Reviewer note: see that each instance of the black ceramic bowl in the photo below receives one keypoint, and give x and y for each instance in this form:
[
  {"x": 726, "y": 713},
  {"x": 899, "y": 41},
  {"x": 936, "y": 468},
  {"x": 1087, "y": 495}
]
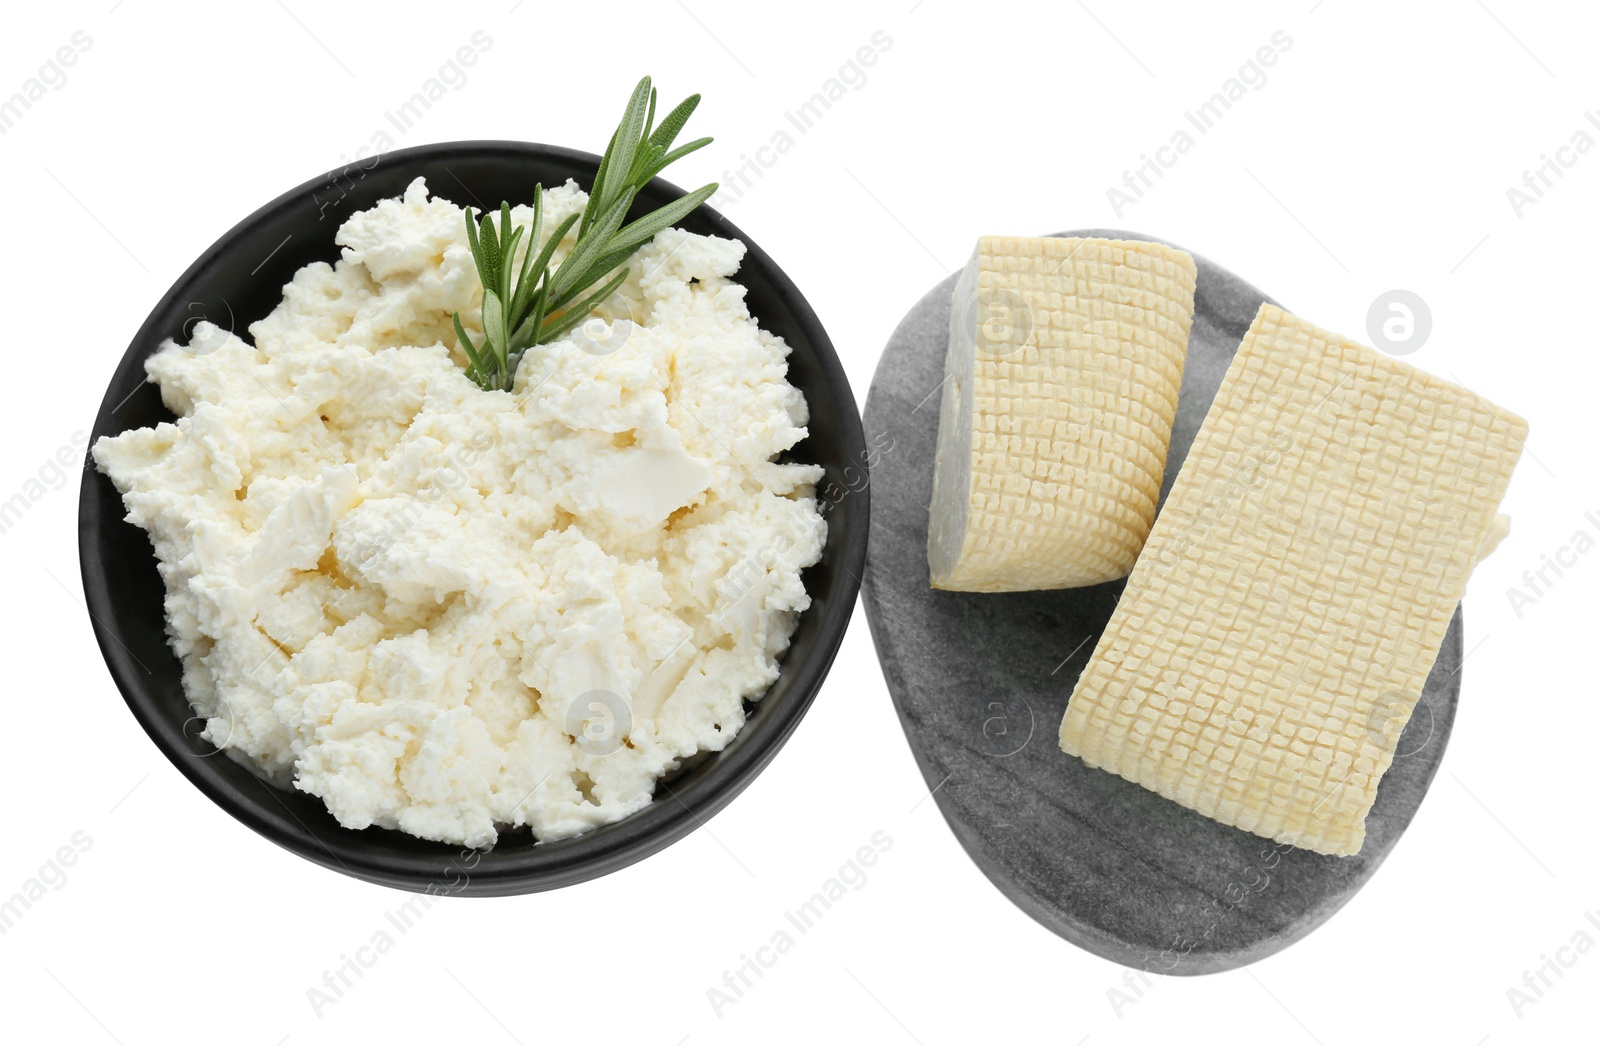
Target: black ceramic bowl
[{"x": 239, "y": 280}]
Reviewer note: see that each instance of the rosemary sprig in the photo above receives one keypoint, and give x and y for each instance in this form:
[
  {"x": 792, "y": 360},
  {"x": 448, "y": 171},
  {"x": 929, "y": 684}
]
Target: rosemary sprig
[{"x": 527, "y": 305}]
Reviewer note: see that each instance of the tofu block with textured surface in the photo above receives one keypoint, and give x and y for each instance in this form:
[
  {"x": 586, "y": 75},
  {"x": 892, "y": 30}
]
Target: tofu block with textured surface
[
  {"x": 1273, "y": 638},
  {"x": 1061, "y": 384}
]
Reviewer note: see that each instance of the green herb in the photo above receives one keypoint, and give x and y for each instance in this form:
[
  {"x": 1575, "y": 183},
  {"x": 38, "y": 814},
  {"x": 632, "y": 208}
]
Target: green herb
[{"x": 529, "y": 305}]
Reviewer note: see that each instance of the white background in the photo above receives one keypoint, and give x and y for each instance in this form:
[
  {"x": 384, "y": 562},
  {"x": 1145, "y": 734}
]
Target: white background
[{"x": 1377, "y": 155}]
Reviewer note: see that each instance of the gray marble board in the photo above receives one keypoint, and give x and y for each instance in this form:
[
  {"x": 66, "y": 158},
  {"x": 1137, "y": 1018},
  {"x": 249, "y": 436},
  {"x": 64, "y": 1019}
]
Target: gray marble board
[{"x": 981, "y": 682}]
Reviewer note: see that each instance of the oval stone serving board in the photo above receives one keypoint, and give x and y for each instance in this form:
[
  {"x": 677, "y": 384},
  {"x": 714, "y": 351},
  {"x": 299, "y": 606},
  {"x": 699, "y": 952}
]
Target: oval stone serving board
[{"x": 981, "y": 682}]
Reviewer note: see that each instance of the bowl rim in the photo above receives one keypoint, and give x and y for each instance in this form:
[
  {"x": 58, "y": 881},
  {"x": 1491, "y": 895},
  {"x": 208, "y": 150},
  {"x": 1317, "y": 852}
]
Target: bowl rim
[{"x": 541, "y": 866}]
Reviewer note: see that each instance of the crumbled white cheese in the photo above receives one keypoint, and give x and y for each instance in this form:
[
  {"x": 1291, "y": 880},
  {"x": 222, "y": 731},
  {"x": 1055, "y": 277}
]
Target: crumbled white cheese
[{"x": 445, "y": 610}]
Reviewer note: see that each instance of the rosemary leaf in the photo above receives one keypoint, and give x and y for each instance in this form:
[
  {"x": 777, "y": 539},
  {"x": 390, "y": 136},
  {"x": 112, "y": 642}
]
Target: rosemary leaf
[
  {"x": 580, "y": 312},
  {"x": 525, "y": 306}
]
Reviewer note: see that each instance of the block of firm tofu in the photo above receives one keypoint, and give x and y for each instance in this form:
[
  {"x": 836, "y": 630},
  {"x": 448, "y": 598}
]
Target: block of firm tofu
[
  {"x": 1061, "y": 384},
  {"x": 1276, "y": 633}
]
